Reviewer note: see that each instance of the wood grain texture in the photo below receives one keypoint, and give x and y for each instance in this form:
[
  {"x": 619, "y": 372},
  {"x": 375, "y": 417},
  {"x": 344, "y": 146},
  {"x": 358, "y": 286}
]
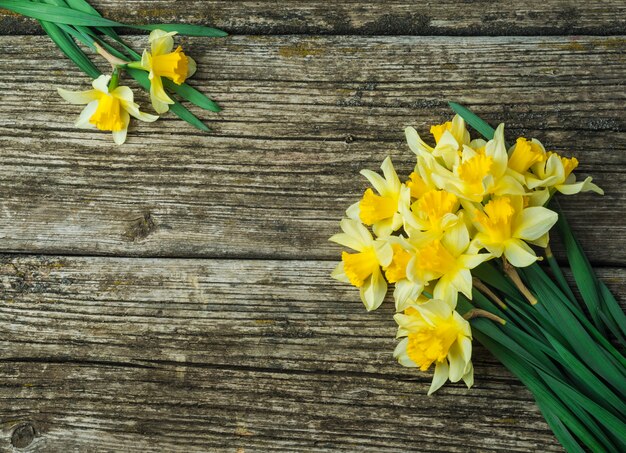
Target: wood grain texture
[
  {"x": 205, "y": 355},
  {"x": 302, "y": 116},
  {"x": 362, "y": 17}
]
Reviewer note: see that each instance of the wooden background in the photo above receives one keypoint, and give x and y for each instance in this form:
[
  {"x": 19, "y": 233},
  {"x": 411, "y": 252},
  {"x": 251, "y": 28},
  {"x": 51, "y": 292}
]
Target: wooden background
[{"x": 173, "y": 294}]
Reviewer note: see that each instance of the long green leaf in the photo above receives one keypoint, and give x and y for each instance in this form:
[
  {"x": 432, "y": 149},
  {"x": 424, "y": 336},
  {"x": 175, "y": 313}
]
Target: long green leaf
[
  {"x": 543, "y": 394},
  {"x": 69, "y": 16},
  {"x": 142, "y": 78},
  {"x": 473, "y": 120},
  {"x": 583, "y": 272},
  {"x": 69, "y": 48},
  {"x": 192, "y": 95},
  {"x": 613, "y": 307}
]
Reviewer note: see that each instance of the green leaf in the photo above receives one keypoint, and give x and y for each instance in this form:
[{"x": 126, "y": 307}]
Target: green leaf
[
  {"x": 613, "y": 307},
  {"x": 473, "y": 120},
  {"x": 183, "y": 29},
  {"x": 584, "y": 275},
  {"x": 192, "y": 95},
  {"x": 544, "y": 395},
  {"x": 69, "y": 16},
  {"x": 142, "y": 78},
  {"x": 559, "y": 429},
  {"x": 78, "y": 35},
  {"x": 608, "y": 420},
  {"x": 69, "y": 48}
]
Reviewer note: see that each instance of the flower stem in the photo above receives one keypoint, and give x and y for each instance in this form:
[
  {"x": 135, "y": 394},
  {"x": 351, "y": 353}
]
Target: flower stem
[
  {"x": 115, "y": 79},
  {"x": 478, "y": 313},
  {"x": 115, "y": 62},
  {"x": 480, "y": 286},
  {"x": 517, "y": 281}
]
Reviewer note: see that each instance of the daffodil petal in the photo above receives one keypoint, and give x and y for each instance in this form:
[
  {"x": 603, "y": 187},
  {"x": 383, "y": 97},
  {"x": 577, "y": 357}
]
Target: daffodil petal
[
  {"x": 160, "y": 99},
  {"x": 102, "y": 83},
  {"x": 582, "y": 186},
  {"x": 78, "y": 97},
  {"x": 518, "y": 253},
  {"x": 191, "y": 66},
  {"x": 119, "y": 137},
  {"x": 83, "y": 119},
  {"x": 347, "y": 241},
  {"x": 161, "y": 42},
  {"x": 457, "y": 363},
  {"x": 339, "y": 273},
  {"x": 440, "y": 377},
  {"x": 534, "y": 222},
  {"x": 374, "y": 290},
  {"x": 468, "y": 377}
]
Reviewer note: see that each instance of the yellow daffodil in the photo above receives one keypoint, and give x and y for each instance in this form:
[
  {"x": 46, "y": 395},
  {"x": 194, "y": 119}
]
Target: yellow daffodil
[
  {"x": 450, "y": 137},
  {"x": 107, "y": 109},
  {"x": 449, "y": 261},
  {"x": 505, "y": 225},
  {"x": 363, "y": 269},
  {"x": 557, "y": 173},
  {"x": 430, "y": 215},
  {"x": 434, "y": 333},
  {"x": 406, "y": 291},
  {"x": 163, "y": 61},
  {"x": 380, "y": 210},
  {"x": 480, "y": 173}
]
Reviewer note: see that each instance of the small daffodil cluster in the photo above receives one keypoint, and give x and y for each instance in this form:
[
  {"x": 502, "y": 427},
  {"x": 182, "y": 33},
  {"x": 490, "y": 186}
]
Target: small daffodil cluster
[
  {"x": 109, "y": 106},
  {"x": 465, "y": 202}
]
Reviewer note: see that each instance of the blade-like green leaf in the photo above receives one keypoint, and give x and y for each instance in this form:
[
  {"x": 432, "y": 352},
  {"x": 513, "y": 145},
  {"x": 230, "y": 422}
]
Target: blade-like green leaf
[
  {"x": 78, "y": 35},
  {"x": 560, "y": 431},
  {"x": 583, "y": 272},
  {"x": 192, "y": 95},
  {"x": 69, "y": 16},
  {"x": 613, "y": 307},
  {"x": 69, "y": 48},
  {"x": 183, "y": 29},
  {"x": 473, "y": 120},
  {"x": 543, "y": 394},
  {"x": 142, "y": 78}
]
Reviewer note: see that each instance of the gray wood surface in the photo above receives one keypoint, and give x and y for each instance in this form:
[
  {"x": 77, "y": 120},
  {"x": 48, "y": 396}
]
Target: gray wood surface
[
  {"x": 173, "y": 294},
  {"x": 191, "y": 355},
  {"x": 301, "y": 117},
  {"x": 363, "y": 17}
]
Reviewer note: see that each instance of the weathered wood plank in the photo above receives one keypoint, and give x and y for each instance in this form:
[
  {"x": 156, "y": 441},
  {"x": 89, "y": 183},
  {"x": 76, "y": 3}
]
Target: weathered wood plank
[
  {"x": 302, "y": 116},
  {"x": 389, "y": 17},
  {"x": 190, "y": 355}
]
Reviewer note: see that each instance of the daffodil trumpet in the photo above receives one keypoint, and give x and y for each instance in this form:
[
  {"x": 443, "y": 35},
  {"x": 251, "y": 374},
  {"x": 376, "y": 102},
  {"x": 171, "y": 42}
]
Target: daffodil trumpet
[{"x": 431, "y": 237}]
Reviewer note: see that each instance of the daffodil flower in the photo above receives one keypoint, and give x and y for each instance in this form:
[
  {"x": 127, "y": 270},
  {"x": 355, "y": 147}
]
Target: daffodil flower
[
  {"x": 380, "y": 210},
  {"x": 163, "y": 61},
  {"x": 430, "y": 215},
  {"x": 505, "y": 225},
  {"x": 480, "y": 173},
  {"x": 108, "y": 107},
  {"x": 449, "y": 261},
  {"x": 434, "y": 333},
  {"x": 450, "y": 137},
  {"x": 363, "y": 269},
  {"x": 557, "y": 173},
  {"x": 405, "y": 291}
]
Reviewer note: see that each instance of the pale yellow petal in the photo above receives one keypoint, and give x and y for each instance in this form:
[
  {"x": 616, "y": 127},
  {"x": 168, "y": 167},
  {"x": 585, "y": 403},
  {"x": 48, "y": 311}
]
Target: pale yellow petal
[
  {"x": 534, "y": 222},
  {"x": 83, "y": 120},
  {"x": 102, "y": 83},
  {"x": 518, "y": 253},
  {"x": 119, "y": 137},
  {"x": 161, "y": 42},
  {"x": 374, "y": 290},
  {"x": 442, "y": 371},
  {"x": 78, "y": 97},
  {"x": 191, "y": 68}
]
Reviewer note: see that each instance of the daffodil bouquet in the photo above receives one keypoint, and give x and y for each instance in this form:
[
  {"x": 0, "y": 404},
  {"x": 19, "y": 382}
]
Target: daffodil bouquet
[
  {"x": 459, "y": 241},
  {"x": 159, "y": 70}
]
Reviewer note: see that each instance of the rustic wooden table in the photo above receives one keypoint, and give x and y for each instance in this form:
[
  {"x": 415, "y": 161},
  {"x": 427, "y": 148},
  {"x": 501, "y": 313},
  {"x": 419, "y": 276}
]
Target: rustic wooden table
[{"x": 173, "y": 294}]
